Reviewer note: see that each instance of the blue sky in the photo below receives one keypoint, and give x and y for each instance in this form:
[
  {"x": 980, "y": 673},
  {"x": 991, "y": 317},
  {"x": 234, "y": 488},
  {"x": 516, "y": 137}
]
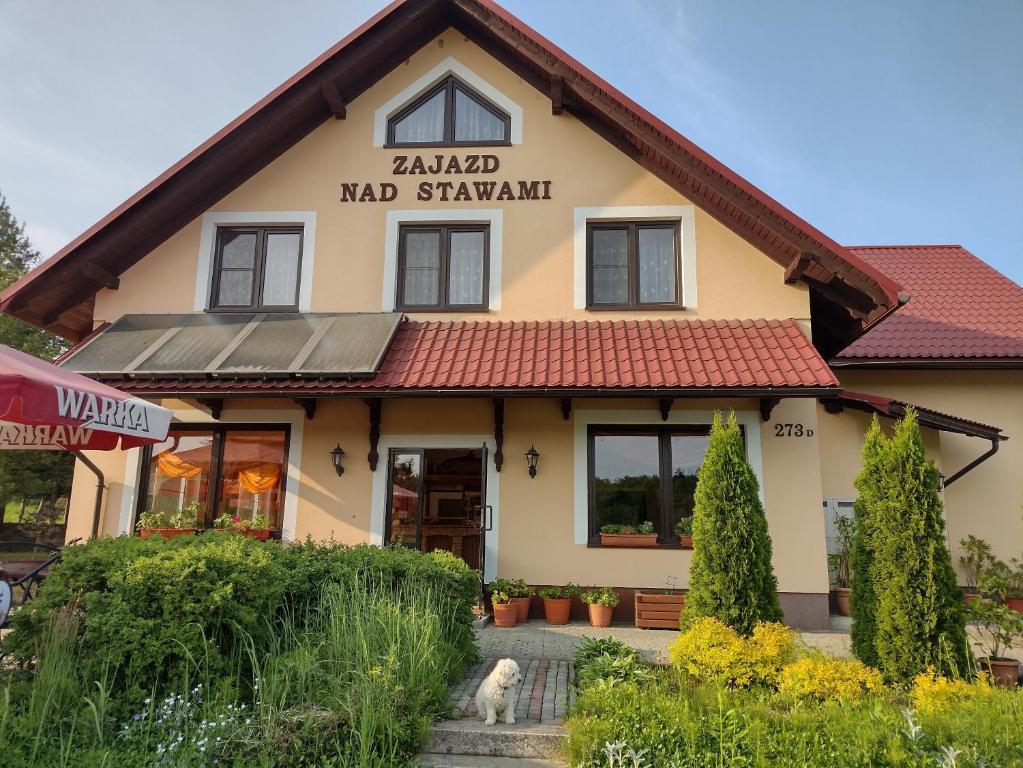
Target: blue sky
[{"x": 877, "y": 121}]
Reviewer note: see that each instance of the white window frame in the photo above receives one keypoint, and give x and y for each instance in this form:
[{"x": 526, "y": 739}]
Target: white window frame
[
  {"x": 194, "y": 418},
  {"x": 450, "y": 66},
  {"x": 378, "y": 511},
  {"x": 584, "y": 419},
  {"x": 494, "y": 217},
  {"x": 208, "y": 244},
  {"x": 684, "y": 214}
]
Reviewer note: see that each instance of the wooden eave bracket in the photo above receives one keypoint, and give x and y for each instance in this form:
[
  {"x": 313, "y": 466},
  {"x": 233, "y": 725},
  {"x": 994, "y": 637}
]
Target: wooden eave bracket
[
  {"x": 664, "y": 406},
  {"x": 375, "y": 407},
  {"x": 333, "y": 99},
  {"x": 566, "y": 408},
  {"x": 215, "y": 405},
  {"x": 307, "y": 404},
  {"x": 557, "y": 93},
  {"x": 767, "y": 406},
  {"x": 797, "y": 267},
  {"x": 100, "y": 276}
]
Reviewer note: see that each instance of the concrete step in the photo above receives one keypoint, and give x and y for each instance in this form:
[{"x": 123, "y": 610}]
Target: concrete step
[
  {"x": 479, "y": 761},
  {"x": 472, "y": 737}
]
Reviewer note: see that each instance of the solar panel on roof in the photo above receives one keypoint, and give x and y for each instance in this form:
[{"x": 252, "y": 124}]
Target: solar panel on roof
[{"x": 207, "y": 344}]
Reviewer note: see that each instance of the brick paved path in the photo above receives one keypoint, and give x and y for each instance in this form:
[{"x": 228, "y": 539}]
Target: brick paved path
[{"x": 544, "y": 698}]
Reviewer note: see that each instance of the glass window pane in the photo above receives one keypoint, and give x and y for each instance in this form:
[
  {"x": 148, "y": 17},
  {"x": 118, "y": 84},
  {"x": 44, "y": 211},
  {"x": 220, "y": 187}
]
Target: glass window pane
[
  {"x": 425, "y": 124},
  {"x": 179, "y": 474},
  {"x": 235, "y": 288},
  {"x": 656, "y": 264},
  {"x": 406, "y": 481},
  {"x": 626, "y": 482},
  {"x": 280, "y": 272},
  {"x": 237, "y": 249},
  {"x": 610, "y": 264},
  {"x": 465, "y": 270},
  {"x": 250, "y": 477},
  {"x": 474, "y": 122},
  {"x": 687, "y": 453},
  {"x": 422, "y": 269}
]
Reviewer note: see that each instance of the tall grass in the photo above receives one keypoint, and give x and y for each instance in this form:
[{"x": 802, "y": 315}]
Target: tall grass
[{"x": 353, "y": 681}]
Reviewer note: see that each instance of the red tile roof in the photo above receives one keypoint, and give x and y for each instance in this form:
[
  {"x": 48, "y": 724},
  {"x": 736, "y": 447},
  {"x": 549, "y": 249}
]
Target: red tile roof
[
  {"x": 961, "y": 308},
  {"x": 563, "y": 357}
]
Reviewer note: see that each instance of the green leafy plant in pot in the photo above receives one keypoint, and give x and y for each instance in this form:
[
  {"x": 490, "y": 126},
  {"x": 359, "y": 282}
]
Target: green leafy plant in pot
[
  {"x": 684, "y": 531},
  {"x": 601, "y": 602},
  {"x": 557, "y": 603},
  {"x": 839, "y": 567},
  {"x": 181, "y": 522},
  {"x": 505, "y": 612},
  {"x": 639, "y": 535},
  {"x": 995, "y": 626}
]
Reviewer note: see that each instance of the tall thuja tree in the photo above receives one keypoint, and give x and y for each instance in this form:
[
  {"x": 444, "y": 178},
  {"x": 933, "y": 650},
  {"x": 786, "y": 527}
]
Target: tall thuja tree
[
  {"x": 861, "y": 556},
  {"x": 919, "y": 619},
  {"x": 731, "y": 577}
]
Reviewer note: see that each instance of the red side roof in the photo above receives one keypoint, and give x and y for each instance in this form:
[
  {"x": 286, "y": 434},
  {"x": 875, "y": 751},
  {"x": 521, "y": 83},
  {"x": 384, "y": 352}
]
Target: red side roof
[
  {"x": 563, "y": 357},
  {"x": 961, "y": 309},
  {"x": 928, "y": 417}
]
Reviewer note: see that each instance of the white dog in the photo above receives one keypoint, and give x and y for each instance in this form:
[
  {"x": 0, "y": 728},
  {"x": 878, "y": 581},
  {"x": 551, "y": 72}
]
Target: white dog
[{"x": 499, "y": 693}]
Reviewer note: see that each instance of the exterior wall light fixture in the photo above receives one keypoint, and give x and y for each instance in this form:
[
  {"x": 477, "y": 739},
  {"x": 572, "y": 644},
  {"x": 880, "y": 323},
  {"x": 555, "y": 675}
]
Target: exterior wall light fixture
[
  {"x": 532, "y": 456},
  {"x": 336, "y": 455}
]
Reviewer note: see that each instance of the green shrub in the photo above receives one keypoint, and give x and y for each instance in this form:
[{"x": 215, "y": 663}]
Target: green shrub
[
  {"x": 711, "y": 651},
  {"x": 592, "y": 647},
  {"x": 601, "y": 596},
  {"x": 818, "y": 677},
  {"x": 731, "y": 576},
  {"x": 919, "y": 615},
  {"x": 863, "y": 601}
]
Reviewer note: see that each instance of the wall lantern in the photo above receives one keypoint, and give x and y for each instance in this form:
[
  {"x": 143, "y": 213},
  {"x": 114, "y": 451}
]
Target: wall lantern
[
  {"x": 532, "y": 456},
  {"x": 336, "y": 455}
]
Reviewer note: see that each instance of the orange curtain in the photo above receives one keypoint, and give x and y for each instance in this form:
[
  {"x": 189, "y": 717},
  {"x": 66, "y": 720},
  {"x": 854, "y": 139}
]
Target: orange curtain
[
  {"x": 260, "y": 479},
  {"x": 172, "y": 466}
]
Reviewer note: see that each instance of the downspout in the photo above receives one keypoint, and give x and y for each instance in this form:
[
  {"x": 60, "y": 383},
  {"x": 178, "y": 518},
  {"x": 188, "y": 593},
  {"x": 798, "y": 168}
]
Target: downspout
[
  {"x": 100, "y": 487},
  {"x": 975, "y": 463}
]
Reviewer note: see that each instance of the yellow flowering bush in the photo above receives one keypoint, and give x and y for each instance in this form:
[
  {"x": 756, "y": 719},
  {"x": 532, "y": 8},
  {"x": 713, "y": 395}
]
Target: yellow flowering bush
[
  {"x": 934, "y": 693},
  {"x": 823, "y": 678},
  {"x": 712, "y": 651}
]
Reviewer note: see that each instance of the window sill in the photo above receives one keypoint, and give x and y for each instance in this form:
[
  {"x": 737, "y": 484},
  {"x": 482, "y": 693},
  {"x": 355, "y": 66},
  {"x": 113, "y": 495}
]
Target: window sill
[
  {"x": 463, "y": 310},
  {"x": 634, "y": 307},
  {"x": 595, "y": 544}
]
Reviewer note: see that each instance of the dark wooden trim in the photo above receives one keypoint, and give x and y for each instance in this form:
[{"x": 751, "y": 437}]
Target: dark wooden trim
[
  {"x": 375, "y": 408},
  {"x": 767, "y": 406},
  {"x": 557, "y": 87},
  {"x": 101, "y": 276},
  {"x": 307, "y": 404},
  {"x": 498, "y": 433},
  {"x": 444, "y": 231},
  {"x": 664, "y": 406},
  {"x": 794, "y": 271},
  {"x": 334, "y": 100},
  {"x": 930, "y": 363},
  {"x": 566, "y": 408},
  {"x": 215, "y": 405},
  {"x": 632, "y": 228},
  {"x": 449, "y": 85}
]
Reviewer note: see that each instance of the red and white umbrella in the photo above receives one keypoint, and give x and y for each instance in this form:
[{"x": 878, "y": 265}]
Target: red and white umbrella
[{"x": 43, "y": 407}]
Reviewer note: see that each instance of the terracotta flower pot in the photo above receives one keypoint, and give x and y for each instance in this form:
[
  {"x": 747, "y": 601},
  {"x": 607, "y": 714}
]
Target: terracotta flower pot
[
  {"x": 686, "y": 542},
  {"x": 600, "y": 615},
  {"x": 557, "y": 610},
  {"x": 505, "y": 615},
  {"x": 166, "y": 533},
  {"x": 522, "y": 605},
  {"x": 1003, "y": 672},
  {"x": 969, "y": 597},
  {"x": 630, "y": 540},
  {"x": 1015, "y": 603},
  {"x": 843, "y": 596},
  {"x": 252, "y": 533}
]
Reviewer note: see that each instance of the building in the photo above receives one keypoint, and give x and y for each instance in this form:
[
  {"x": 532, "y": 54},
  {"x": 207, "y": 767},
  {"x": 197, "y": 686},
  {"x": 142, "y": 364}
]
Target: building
[{"x": 446, "y": 243}]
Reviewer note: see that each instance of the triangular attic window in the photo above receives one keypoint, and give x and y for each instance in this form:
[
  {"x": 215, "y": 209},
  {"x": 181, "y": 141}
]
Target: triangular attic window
[{"x": 449, "y": 114}]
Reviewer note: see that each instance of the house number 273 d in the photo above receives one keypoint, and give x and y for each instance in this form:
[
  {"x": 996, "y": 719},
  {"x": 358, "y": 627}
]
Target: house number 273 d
[{"x": 792, "y": 430}]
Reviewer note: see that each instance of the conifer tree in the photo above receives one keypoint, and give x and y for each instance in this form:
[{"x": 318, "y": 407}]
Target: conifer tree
[
  {"x": 919, "y": 619},
  {"x": 731, "y": 577},
  {"x": 864, "y": 600}
]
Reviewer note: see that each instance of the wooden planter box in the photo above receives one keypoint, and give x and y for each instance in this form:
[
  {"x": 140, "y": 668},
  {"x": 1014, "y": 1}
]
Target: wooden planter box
[
  {"x": 631, "y": 540},
  {"x": 655, "y": 610}
]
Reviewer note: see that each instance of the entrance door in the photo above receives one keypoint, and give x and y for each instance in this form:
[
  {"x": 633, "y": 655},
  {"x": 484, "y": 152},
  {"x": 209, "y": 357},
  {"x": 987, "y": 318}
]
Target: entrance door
[{"x": 436, "y": 501}]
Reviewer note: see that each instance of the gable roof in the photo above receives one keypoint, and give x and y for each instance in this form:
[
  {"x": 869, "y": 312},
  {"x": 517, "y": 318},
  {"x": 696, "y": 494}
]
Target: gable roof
[
  {"x": 553, "y": 358},
  {"x": 962, "y": 310},
  {"x": 58, "y": 294}
]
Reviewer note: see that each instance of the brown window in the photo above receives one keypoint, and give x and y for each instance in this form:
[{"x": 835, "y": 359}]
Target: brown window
[
  {"x": 449, "y": 114},
  {"x": 201, "y": 473},
  {"x": 257, "y": 268},
  {"x": 633, "y": 264},
  {"x": 443, "y": 267},
  {"x": 644, "y": 474}
]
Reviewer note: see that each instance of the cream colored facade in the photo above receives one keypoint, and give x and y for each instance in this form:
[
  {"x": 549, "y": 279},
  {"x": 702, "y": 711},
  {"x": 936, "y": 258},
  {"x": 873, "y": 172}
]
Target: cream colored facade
[{"x": 535, "y": 275}]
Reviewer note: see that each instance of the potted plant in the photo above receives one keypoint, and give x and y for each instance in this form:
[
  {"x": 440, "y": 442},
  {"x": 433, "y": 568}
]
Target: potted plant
[
  {"x": 505, "y": 612},
  {"x": 838, "y": 565},
  {"x": 660, "y": 610},
  {"x": 994, "y": 627},
  {"x": 684, "y": 531},
  {"x": 601, "y": 602},
  {"x": 1014, "y": 594},
  {"x": 181, "y": 523},
  {"x": 614, "y": 535},
  {"x": 976, "y": 556},
  {"x": 557, "y": 603},
  {"x": 522, "y": 597},
  {"x": 256, "y": 528}
]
